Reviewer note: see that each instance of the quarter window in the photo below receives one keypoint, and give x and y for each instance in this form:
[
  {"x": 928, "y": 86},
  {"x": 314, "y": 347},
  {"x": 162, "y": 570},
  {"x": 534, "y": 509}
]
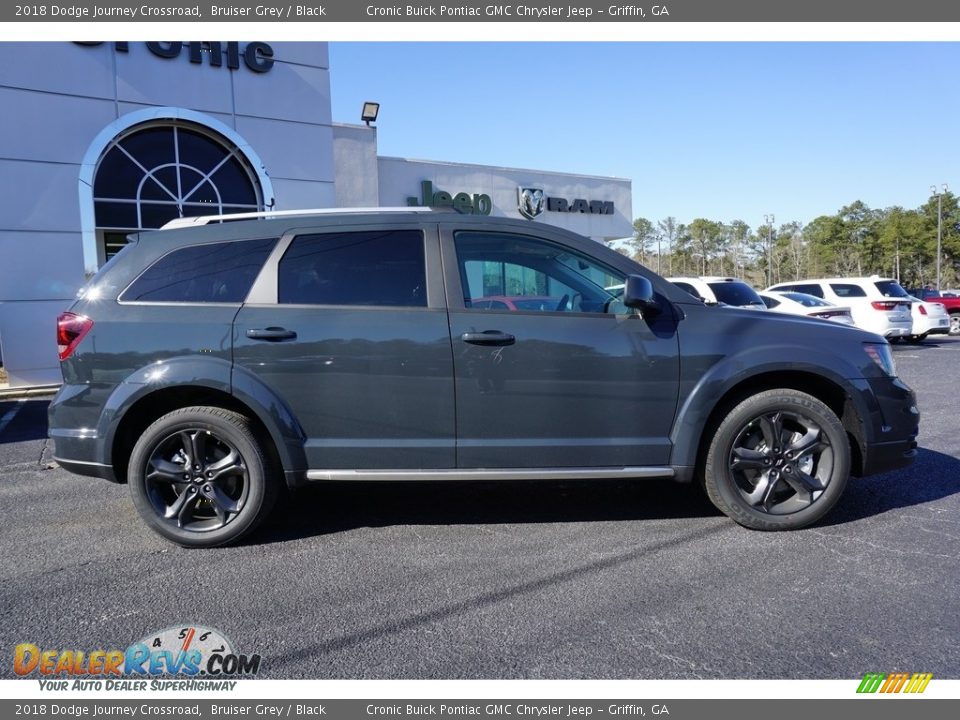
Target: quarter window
[
  {"x": 523, "y": 274},
  {"x": 216, "y": 272},
  {"x": 384, "y": 267}
]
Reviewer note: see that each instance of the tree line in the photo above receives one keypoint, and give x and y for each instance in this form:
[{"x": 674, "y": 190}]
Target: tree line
[{"x": 856, "y": 241}]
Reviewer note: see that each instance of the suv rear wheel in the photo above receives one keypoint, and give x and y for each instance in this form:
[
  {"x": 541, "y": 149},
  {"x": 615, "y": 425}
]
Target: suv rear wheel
[
  {"x": 779, "y": 461},
  {"x": 200, "y": 477}
]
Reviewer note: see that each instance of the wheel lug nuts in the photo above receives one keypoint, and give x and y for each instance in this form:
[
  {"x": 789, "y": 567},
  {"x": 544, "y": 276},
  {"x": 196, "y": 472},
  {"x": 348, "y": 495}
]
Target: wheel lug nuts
[
  {"x": 206, "y": 488},
  {"x": 210, "y": 474}
]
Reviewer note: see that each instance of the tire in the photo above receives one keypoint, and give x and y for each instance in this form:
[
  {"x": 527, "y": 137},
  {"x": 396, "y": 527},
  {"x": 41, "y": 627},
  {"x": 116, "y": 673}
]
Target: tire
[
  {"x": 226, "y": 494},
  {"x": 954, "y": 324},
  {"x": 786, "y": 487},
  {"x": 916, "y": 339}
]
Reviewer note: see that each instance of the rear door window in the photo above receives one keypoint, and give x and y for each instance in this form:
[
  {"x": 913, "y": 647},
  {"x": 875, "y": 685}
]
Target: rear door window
[
  {"x": 846, "y": 290},
  {"x": 211, "y": 273},
  {"x": 808, "y": 288},
  {"x": 379, "y": 268}
]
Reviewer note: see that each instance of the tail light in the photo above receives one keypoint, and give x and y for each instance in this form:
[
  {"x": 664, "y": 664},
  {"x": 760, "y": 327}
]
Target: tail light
[
  {"x": 831, "y": 314},
  {"x": 923, "y": 310},
  {"x": 71, "y": 329},
  {"x": 884, "y": 305}
]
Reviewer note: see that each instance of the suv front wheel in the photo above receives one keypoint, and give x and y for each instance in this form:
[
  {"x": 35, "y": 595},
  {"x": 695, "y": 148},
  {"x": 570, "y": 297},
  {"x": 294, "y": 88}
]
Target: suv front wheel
[
  {"x": 200, "y": 477},
  {"x": 778, "y": 461}
]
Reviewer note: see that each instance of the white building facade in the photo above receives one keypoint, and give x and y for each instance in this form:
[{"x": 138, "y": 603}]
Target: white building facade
[{"x": 103, "y": 139}]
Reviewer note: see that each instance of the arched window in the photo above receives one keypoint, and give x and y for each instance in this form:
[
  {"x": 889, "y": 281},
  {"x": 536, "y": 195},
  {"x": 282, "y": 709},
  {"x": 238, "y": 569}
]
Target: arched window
[{"x": 155, "y": 172}]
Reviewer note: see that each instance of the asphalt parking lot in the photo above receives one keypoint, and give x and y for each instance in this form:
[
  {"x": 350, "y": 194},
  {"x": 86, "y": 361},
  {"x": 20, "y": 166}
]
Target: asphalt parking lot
[{"x": 518, "y": 580}]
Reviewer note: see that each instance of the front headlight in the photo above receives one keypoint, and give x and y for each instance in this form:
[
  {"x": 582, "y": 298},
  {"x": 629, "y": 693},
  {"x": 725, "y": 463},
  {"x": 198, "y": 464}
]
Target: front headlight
[{"x": 882, "y": 355}]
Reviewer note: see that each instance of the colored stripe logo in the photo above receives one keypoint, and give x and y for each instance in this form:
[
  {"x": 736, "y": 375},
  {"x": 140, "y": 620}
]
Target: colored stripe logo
[{"x": 894, "y": 682}]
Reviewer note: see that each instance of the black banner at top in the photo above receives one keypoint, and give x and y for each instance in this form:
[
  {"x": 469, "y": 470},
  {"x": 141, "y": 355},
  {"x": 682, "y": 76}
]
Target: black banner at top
[{"x": 485, "y": 11}]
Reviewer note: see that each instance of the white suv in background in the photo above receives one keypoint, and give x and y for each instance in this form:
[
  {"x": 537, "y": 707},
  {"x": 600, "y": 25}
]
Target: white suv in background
[
  {"x": 726, "y": 290},
  {"x": 877, "y": 304}
]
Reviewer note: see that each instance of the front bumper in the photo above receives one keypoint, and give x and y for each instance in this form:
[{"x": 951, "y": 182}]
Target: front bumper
[{"x": 891, "y": 442}]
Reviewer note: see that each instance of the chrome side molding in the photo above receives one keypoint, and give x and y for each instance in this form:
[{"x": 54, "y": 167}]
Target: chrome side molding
[{"x": 486, "y": 474}]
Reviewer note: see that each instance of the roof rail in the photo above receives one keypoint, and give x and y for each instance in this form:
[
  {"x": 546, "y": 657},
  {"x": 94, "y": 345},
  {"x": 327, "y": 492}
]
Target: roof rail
[{"x": 207, "y": 219}]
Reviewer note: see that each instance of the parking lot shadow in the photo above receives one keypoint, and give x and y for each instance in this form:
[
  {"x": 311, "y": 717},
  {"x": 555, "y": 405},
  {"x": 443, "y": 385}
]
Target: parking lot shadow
[
  {"x": 25, "y": 420},
  {"x": 932, "y": 476},
  {"x": 341, "y": 506}
]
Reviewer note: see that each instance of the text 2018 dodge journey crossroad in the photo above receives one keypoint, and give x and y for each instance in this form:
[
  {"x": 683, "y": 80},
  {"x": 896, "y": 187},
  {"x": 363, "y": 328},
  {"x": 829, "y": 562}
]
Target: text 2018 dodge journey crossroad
[{"x": 210, "y": 363}]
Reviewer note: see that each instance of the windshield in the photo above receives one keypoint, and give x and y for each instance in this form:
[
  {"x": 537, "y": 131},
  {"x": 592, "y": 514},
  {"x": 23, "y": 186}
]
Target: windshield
[{"x": 735, "y": 293}]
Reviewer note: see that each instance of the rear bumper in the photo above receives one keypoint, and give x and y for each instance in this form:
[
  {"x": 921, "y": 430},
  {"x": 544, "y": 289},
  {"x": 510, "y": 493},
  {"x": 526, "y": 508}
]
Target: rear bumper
[
  {"x": 901, "y": 331},
  {"x": 88, "y": 469},
  {"x": 77, "y": 443}
]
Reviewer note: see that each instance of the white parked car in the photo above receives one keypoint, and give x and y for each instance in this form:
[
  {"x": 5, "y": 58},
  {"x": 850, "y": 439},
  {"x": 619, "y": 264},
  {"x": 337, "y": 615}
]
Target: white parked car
[
  {"x": 796, "y": 303},
  {"x": 877, "y": 304},
  {"x": 929, "y": 318},
  {"x": 716, "y": 290}
]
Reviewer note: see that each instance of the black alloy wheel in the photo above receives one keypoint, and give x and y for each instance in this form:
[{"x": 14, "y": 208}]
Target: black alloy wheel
[
  {"x": 199, "y": 477},
  {"x": 780, "y": 460}
]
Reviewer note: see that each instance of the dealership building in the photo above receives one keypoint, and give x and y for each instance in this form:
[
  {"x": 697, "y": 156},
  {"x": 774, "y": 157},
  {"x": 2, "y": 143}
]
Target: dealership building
[{"x": 103, "y": 139}]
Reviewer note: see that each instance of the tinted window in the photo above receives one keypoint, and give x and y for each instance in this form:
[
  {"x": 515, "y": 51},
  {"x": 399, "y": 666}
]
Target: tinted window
[
  {"x": 218, "y": 272},
  {"x": 687, "y": 287},
  {"x": 769, "y": 301},
  {"x": 532, "y": 275},
  {"x": 844, "y": 290},
  {"x": 383, "y": 267},
  {"x": 808, "y": 288},
  {"x": 735, "y": 293},
  {"x": 806, "y": 300},
  {"x": 891, "y": 288}
]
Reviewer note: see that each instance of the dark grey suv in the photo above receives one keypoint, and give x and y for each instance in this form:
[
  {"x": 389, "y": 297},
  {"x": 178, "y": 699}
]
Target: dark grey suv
[{"x": 210, "y": 365}]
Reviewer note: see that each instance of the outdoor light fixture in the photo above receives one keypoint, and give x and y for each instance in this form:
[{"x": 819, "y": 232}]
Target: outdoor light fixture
[{"x": 370, "y": 111}]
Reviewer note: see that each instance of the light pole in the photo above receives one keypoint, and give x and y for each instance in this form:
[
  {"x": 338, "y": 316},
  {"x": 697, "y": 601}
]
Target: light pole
[
  {"x": 769, "y": 219},
  {"x": 939, "y": 195}
]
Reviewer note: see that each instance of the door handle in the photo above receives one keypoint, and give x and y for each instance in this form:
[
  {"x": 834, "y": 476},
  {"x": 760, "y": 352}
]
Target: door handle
[
  {"x": 271, "y": 333},
  {"x": 488, "y": 337}
]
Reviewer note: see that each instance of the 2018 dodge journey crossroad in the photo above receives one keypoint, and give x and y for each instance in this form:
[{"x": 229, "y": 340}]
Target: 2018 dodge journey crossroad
[{"x": 213, "y": 362}]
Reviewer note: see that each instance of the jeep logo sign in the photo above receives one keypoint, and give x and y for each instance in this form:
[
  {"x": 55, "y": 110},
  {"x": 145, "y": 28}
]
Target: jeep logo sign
[{"x": 478, "y": 204}]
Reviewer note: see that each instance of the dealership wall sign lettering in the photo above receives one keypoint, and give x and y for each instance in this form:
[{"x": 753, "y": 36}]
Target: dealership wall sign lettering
[
  {"x": 531, "y": 202},
  {"x": 257, "y": 56},
  {"x": 478, "y": 204}
]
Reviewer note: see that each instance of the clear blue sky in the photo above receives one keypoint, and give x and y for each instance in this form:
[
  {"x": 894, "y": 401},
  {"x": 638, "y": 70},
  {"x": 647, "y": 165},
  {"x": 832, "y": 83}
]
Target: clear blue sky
[{"x": 718, "y": 130}]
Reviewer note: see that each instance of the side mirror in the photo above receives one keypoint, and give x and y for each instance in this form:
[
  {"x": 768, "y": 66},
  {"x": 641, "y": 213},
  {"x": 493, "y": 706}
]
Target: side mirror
[{"x": 638, "y": 294}]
